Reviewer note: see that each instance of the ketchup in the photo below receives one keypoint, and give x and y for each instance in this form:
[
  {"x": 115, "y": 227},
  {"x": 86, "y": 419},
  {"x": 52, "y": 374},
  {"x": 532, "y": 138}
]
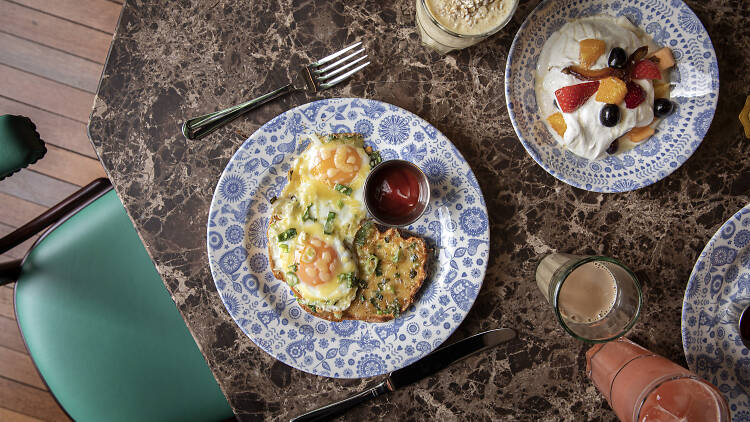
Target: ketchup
[{"x": 396, "y": 191}]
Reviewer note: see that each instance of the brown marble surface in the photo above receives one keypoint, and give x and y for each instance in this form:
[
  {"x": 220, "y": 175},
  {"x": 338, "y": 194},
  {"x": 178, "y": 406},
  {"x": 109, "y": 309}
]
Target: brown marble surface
[{"x": 171, "y": 60}]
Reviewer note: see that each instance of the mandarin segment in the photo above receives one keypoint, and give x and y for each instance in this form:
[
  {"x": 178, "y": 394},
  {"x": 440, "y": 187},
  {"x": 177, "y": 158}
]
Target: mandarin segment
[
  {"x": 611, "y": 91},
  {"x": 558, "y": 123},
  {"x": 590, "y": 51}
]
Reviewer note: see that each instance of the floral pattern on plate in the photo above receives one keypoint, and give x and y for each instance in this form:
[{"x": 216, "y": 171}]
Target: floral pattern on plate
[
  {"x": 695, "y": 90},
  {"x": 716, "y": 294},
  {"x": 454, "y": 224}
]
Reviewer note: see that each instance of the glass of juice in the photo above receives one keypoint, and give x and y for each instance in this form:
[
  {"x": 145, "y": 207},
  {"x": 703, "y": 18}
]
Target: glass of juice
[
  {"x": 644, "y": 387},
  {"x": 447, "y": 25},
  {"x": 595, "y": 298}
]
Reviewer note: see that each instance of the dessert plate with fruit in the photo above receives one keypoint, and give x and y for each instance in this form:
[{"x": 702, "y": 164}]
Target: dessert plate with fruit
[{"x": 611, "y": 96}]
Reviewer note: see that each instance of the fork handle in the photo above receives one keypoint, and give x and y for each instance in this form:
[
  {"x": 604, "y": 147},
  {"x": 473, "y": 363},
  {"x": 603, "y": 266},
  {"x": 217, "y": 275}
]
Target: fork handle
[
  {"x": 335, "y": 409},
  {"x": 201, "y": 126}
]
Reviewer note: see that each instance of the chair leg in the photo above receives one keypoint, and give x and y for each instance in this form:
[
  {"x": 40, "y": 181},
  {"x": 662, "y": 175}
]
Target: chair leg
[{"x": 9, "y": 271}]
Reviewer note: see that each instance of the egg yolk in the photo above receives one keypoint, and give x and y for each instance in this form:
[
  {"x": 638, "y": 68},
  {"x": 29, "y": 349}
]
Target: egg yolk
[
  {"x": 318, "y": 262},
  {"x": 337, "y": 165}
]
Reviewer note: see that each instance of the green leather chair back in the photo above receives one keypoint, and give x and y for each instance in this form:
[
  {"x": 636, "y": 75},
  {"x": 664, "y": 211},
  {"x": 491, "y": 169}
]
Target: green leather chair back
[
  {"x": 20, "y": 144},
  {"x": 103, "y": 330}
]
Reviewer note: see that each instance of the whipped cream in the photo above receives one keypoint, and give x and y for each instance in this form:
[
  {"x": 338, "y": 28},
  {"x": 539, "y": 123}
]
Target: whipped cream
[{"x": 585, "y": 135}]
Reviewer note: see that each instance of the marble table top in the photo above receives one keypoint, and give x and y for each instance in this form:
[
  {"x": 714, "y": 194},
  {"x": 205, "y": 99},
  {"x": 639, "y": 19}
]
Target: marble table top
[{"x": 171, "y": 60}]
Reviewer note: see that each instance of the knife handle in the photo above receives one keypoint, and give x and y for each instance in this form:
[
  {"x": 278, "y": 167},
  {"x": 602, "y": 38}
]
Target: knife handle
[{"x": 335, "y": 409}]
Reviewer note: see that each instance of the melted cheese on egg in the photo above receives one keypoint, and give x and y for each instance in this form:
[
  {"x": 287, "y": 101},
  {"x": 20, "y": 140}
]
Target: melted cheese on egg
[{"x": 326, "y": 178}]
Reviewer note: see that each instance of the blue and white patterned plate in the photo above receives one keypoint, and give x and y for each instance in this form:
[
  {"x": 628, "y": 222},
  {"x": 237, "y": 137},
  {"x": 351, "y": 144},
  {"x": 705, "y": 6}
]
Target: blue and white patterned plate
[
  {"x": 454, "y": 223},
  {"x": 716, "y": 294},
  {"x": 696, "y": 90}
]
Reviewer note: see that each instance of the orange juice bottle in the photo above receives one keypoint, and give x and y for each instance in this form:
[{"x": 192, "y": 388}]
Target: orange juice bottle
[{"x": 641, "y": 386}]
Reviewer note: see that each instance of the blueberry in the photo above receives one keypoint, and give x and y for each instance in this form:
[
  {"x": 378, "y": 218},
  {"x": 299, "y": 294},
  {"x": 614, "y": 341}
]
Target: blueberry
[
  {"x": 617, "y": 58},
  {"x": 613, "y": 147},
  {"x": 610, "y": 115},
  {"x": 663, "y": 107}
]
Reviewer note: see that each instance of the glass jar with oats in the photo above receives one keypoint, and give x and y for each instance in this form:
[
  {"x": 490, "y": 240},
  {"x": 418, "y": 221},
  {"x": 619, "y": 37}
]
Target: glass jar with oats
[{"x": 447, "y": 25}]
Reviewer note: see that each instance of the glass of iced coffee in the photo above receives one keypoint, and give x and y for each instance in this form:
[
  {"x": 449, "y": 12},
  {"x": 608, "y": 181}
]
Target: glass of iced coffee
[
  {"x": 447, "y": 25},
  {"x": 595, "y": 298}
]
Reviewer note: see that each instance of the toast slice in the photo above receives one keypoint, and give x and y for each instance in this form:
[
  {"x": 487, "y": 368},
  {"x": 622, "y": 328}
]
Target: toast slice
[{"x": 392, "y": 268}]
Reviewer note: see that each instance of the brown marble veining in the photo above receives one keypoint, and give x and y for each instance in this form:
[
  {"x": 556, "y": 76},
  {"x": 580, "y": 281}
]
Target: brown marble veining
[{"x": 172, "y": 60}]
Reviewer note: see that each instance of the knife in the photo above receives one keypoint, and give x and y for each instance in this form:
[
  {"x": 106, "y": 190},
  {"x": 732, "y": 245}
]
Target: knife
[{"x": 429, "y": 365}]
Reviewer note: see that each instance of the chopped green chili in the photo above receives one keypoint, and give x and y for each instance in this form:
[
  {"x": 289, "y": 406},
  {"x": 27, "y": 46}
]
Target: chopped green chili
[
  {"x": 287, "y": 234},
  {"x": 348, "y": 278},
  {"x": 362, "y": 233},
  {"x": 375, "y": 158},
  {"x": 307, "y": 216},
  {"x": 346, "y": 190},
  {"x": 397, "y": 256},
  {"x": 373, "y": 262},
  {"x": 292, "y": 279},
  {"x": 328, "y": 227}
]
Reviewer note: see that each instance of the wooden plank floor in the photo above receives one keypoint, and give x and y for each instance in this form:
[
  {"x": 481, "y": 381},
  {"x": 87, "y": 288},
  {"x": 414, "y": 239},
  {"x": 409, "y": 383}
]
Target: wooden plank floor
[{"x": 51, "y": 55}]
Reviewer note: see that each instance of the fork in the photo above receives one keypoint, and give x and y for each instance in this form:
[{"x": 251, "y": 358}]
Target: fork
[{"x": 312, "y": 78}]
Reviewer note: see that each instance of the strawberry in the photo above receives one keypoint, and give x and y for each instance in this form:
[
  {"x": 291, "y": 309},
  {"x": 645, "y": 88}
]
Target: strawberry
[
  {"x": 646, "y": 69},
  {"x": 569, "y": 98},
  {"x": 635, "y": 95}
]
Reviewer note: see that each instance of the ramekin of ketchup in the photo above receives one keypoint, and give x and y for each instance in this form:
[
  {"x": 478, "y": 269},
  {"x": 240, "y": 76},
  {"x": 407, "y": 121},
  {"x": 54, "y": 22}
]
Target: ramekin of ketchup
[{"x": 396, "y": 193}]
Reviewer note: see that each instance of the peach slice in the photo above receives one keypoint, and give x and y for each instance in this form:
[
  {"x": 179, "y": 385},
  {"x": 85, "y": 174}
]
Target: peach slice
[
  {"x": 665, "y": 58},
  {"x": 590, "y": 51}
]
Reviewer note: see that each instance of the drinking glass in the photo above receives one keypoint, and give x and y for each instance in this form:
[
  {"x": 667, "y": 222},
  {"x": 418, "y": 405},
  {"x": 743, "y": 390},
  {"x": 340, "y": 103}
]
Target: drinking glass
[
  {"x": 642, "y": 386},
  {"x": 595, "y": 298},
  {"x": 441, "y": 39}
]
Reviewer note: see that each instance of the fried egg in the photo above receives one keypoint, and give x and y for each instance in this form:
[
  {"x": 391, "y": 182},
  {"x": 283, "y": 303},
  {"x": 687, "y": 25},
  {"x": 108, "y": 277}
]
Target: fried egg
[{"x": 314, "y": 221}]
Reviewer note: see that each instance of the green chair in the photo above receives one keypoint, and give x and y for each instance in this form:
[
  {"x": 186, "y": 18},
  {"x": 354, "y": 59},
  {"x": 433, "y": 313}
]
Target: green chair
[
  {"x": 20, "y": 144},
  {"x": 98, "y": 322}
]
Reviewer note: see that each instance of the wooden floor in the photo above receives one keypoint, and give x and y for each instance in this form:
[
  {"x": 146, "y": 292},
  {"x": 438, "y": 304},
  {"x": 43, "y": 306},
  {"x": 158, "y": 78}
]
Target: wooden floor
[{"x": 51, "y": 56}]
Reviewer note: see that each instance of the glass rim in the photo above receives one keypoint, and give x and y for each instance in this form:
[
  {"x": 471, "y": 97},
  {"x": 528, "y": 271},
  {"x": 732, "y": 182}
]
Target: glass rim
[
  {"x": 640, "y": 401},
  {"x": 568, "y": 271},
  {"x": 481, "y": 36}
]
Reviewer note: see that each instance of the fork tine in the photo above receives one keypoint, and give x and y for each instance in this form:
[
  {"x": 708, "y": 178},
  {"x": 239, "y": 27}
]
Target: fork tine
[
  {"x": 341, "y": 69},
  {"x": 342, "y": 77},
  {"x": 338, "y": 62},
  {"x": 330, "y": 57}
]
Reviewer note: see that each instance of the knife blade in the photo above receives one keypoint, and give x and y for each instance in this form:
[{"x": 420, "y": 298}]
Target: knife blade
[
  {"x": 425, "y": 367},
  {"x": 448, "y": 355}
]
